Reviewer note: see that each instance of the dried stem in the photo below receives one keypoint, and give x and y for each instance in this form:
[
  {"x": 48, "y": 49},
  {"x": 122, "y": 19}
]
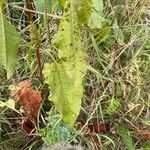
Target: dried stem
[
  {"x": 37, "y": 51},
  {"x": 34, "y": 41},
  {"x": 36, "y": 12}
]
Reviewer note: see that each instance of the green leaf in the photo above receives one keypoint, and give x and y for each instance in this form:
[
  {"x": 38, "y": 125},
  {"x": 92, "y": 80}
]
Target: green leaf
[
  {"x": 40, "y": 5},
  {"x": 126, "y": 136},
  {"x": 84, "y": 11},
  {"x": 1, "y": 2},
  {"x": 62, "y": 2},
  {"x": 56, "y": 130},
  {"x": 146, "y": 145},
  {"x": 9, "y": 103},
  {"x": 65, "y": 81},
  {"x": 118, "y": 33},
  {"x": 96, "y": 18},
  {"x": 65, "y": 76},
  {"x": 9, "y": 42},
  {"x": 112, "y": 106}
]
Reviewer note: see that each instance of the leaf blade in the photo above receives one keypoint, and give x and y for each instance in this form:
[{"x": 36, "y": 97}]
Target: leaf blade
[
  {"x": 69, "y": 70},
  {"x": 96, "y": 18},
  {"x": 126, "y": 136},
  {"x": 8, "y": 45}
]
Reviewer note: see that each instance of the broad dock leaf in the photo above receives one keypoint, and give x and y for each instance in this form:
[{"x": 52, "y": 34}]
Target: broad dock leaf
[{"x": 65, "y": 76}]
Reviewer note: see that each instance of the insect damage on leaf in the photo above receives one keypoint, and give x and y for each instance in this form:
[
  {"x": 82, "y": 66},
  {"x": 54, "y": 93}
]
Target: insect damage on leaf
[
  {"x": 65, "y": 75},
  {"x": 29, "y": 100}
]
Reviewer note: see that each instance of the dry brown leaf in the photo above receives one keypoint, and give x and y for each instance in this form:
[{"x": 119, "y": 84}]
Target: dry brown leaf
[{"x": 28, "y": 98}]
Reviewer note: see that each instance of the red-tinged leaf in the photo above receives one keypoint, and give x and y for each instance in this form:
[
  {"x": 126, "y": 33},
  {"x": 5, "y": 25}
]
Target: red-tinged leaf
[
  {"x": 28, "y": 98},
  {"x": 91, "y": 129},
  {"x": 28, "y": 126},
  {"x": 144, "y": 134},
  {"x": 96, "y": 126}
]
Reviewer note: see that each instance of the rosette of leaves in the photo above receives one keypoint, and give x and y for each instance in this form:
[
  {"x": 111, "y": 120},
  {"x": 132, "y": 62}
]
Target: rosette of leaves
[{"x": 56, "y": 130}]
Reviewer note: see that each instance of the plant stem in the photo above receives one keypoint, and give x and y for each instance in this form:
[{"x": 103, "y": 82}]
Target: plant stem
[
  {"x": 34, "y": 40},
  {"x": 37, "y": 51},
  {"x": 47, "y": 21}
]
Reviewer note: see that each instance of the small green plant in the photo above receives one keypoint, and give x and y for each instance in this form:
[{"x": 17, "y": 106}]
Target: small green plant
[
  {"x": 126, "y": 136},
  {"x": 56, "y": 130},
  {"x": 113, "y": 105}
]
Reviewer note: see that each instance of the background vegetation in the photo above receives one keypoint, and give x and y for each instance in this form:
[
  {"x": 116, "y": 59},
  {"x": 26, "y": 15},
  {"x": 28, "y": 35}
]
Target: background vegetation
[{"x": 89, "y": 53}]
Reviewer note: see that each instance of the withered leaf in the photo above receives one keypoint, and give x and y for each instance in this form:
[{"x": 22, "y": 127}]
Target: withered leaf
[
  {"x": 28, "y": 126},
  {"x": 28, "y": 98}
]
